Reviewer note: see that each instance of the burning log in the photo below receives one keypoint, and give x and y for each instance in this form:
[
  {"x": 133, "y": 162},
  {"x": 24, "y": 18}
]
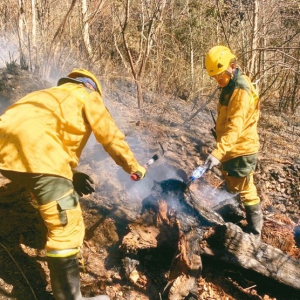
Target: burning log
[
  {"x": 163, "y": 229},
  {"x": 171, "y": 215}
]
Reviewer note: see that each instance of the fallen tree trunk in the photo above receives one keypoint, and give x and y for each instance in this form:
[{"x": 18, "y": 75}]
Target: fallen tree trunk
[
  {"x": 225, "y": 241},
  {"x": 230, "y": 244},
  {"x": 152, "y": 225}
]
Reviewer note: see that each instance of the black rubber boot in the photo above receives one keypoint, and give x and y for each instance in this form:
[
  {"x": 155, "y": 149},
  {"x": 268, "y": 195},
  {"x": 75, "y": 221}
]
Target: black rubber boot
[
  {"x": 254, "y": 217},
  {"x": 65, "y": 279}
]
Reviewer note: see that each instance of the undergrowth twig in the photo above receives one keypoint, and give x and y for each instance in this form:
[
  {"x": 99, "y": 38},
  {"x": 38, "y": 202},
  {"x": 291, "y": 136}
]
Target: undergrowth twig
[{"x": 19, "y": 270}]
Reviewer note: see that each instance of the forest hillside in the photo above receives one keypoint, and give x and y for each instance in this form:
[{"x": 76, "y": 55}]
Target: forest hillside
[
  {"x": 149, "y": 57},
  {"x": 113, "y": 210}
]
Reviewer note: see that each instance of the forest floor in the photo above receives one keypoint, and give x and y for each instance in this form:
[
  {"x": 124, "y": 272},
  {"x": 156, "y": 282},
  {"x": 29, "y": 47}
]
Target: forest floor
[{"x": 24, "y": 274}]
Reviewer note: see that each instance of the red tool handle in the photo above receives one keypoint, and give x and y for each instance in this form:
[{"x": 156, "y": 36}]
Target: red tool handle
[{"x": 136, "y": 176}]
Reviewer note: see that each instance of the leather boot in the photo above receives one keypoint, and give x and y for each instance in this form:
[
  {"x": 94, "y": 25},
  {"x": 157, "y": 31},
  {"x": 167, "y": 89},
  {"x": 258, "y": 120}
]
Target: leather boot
[
  {"x": 254, "y": 217},
  {"x": 65, "y": 279}
]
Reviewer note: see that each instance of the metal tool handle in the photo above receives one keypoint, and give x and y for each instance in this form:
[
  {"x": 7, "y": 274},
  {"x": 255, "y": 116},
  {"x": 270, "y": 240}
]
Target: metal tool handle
[{"x": 138, "y": 175}]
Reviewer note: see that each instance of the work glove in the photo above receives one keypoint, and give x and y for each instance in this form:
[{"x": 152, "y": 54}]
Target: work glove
[
  {"x": 83, "y": 183},
  {"x": 139, "y": 174},
  {"x": 211, "y": 161}
]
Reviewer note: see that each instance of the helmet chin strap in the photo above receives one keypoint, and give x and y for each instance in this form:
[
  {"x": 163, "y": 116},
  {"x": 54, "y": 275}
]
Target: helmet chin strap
[
  {"x": 233, "y": 69},
  {"x": 230, "y": 74}
]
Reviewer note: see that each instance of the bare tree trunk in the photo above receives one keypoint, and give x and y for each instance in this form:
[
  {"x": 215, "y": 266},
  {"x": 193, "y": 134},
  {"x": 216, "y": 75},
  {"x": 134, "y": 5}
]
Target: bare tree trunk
[
  {"x": 86, "y": 35},
  {"x": 254, "y": 38},
  {"x": 55, "y": 43},
  {"x": 139, "y": 94},
  {"x": 191, "y": 54},
  {"x": 147, "y": 34},
  {"x": 32, "y": 43},
  {"x": 21, "y": 23}
]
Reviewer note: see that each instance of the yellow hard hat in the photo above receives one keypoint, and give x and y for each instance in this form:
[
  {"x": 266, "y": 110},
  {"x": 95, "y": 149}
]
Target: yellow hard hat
[
  {"x": 80, "y": 73},
  {"x": 218, "y": 59}
]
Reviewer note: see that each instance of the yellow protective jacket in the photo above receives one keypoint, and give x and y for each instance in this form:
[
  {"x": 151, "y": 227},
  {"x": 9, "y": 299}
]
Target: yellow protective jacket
[
  {"x": 46, "y": 131},
  {"x": 238, "y": 114}
]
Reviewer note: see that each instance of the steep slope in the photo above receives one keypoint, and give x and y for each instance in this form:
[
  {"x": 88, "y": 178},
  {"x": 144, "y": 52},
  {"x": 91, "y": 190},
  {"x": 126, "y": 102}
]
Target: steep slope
[{"x": 24, "y": 272}]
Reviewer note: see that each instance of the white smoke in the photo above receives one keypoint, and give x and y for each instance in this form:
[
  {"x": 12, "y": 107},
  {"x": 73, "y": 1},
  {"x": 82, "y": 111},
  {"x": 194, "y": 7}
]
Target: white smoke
[{"x": 9, "y": 51}]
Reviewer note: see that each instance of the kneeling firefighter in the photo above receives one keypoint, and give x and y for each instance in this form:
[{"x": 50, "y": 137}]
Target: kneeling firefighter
[
  {"x": 41, "y": 139},
  {"x": 237, "y": 141}
]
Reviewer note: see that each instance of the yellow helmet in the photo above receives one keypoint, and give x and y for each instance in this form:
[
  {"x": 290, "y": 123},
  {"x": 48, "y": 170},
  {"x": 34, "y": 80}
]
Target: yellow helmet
[
  {"x": 218, "y": 59},
  {"x": 80, "y": 73}
]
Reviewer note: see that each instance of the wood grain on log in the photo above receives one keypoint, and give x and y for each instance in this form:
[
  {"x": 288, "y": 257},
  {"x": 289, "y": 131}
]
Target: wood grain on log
[{"x": 230, "y": 244}]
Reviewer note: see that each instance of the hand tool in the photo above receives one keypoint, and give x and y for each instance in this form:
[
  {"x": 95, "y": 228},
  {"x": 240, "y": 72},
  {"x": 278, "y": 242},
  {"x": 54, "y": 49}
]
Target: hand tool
[{"x": 137, "y": 175}]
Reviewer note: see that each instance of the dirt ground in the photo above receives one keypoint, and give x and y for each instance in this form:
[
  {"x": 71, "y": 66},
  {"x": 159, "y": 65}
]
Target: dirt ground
[{"x": 24, "y": 274}]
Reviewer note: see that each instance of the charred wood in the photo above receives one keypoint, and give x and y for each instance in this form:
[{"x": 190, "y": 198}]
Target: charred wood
[
  {"x": 172, "y": 215},
  {"x": 159, "y": 226}
]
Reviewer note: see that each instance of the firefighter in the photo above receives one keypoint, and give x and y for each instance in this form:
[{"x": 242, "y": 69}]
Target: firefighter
[
  {"x": 41, "y": 139},
  {"x": 237, "y": 141}
]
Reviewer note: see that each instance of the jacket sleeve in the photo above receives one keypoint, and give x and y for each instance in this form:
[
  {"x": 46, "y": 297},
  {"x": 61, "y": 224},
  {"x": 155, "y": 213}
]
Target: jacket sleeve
[
  {"x": 237, "y": 111},
  {"x": 107, "y": 133}
]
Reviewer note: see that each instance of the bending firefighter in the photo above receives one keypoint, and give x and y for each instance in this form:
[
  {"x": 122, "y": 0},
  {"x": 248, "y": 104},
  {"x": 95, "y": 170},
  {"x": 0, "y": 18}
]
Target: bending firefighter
[
  {"x": 236, "y": 132},
  {"x": 41, "y": 139}
]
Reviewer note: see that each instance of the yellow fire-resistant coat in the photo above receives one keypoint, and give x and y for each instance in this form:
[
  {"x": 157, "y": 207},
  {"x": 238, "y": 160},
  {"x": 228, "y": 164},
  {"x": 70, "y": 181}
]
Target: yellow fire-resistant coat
[
  {"x": 238, "y": 115},
  {"x": 46, "y": 131}
]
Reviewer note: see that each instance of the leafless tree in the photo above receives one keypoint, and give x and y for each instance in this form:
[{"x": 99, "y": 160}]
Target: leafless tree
[
  {"x": 160, "y": 44},
  {"x": 138, "y": 43},
  {"x": 54, "y": 46},
  {"x": 21, "y": 33}
]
